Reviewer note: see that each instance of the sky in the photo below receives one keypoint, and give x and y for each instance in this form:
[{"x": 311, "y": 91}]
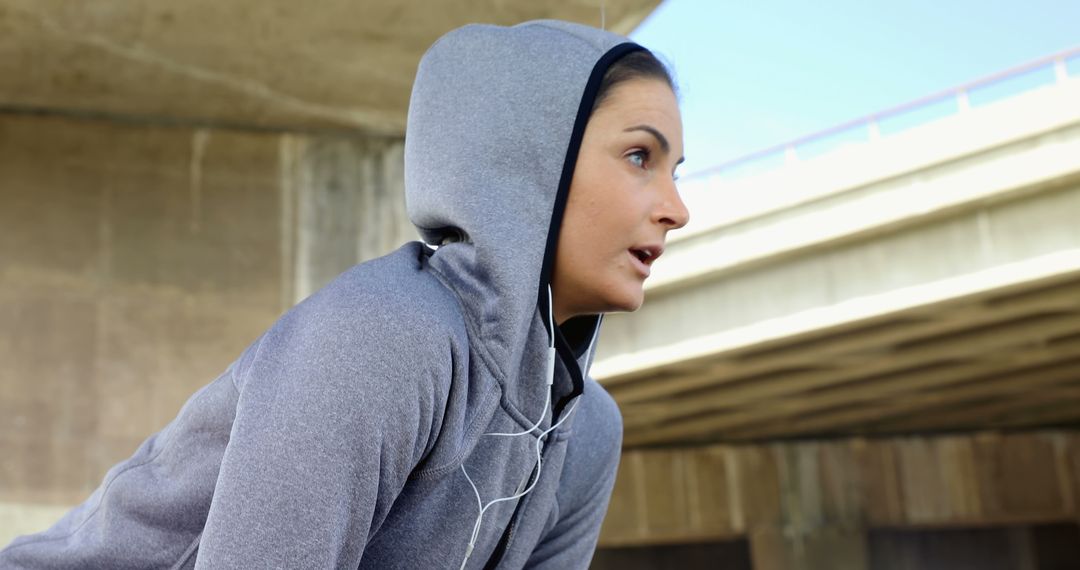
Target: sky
[{"x": 755, "y": 74}]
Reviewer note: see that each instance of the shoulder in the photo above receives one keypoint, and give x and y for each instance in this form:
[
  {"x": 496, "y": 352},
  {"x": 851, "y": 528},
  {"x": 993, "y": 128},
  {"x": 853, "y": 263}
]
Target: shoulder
[
  {"x": 390, "y": 301},
  {"x": 388, "y": 317},
  {"x": 394, "y": 294},
  {"x": 373, "y": 352},
  {"x": 592, "y": 454},
  {"x": 596, "y": 437},
  {"x": 600, "y": 418}
]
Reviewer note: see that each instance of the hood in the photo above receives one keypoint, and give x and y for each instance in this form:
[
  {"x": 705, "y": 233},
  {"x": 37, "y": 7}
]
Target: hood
[{"x": 495, "y": 122}]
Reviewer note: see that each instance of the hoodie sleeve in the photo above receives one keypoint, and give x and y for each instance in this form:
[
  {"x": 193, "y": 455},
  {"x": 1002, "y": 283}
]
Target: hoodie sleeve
[
  {"x": 330, "y": 421},
  {"x": 592, "y": 460}
]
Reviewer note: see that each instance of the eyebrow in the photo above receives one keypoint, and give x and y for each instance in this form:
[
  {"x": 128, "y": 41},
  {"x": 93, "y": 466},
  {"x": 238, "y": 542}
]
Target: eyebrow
[{"x": 664, "y": 145}]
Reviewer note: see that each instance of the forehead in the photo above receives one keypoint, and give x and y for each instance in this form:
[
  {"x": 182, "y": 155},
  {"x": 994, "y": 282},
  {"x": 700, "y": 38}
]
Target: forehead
[{"x": 642, "y": 100}]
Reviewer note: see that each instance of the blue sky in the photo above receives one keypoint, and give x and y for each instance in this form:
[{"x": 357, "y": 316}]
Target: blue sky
[{"x": 756, "y": 74}]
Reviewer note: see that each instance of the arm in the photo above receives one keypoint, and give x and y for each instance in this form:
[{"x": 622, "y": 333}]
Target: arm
[
  {"x": 150, "y": 507},
  {"x": 328, "y": 427},
  {"x": 589, "y": 476}
]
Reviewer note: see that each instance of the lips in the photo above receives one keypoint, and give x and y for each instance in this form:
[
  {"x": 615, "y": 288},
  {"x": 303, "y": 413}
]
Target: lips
[
  {"x": 644, "y": 256},
  {"x": 648, "y": 253}
]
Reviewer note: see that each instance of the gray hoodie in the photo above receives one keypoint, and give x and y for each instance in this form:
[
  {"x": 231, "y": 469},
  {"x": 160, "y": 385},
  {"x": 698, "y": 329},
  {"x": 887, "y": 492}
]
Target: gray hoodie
[{"x": 352, "y": 433}]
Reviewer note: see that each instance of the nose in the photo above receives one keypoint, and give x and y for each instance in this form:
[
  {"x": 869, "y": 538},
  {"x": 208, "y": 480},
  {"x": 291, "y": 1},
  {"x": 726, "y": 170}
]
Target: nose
[{"x": 670, "y": 210}]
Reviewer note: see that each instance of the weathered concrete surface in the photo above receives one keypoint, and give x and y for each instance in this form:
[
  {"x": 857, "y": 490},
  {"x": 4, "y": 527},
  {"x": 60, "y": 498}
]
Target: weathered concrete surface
[
  {"x": 333, "y": 222},
  {"x": 137, "y": 262},
  {"x": 816, "y": 504},
  {"x": 117, "y": 297},
  {"x": 337, "y": 64}
]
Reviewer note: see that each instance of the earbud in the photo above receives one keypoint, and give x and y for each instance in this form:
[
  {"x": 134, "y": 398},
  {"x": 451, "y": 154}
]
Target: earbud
[{"x": 539, "y": 439}]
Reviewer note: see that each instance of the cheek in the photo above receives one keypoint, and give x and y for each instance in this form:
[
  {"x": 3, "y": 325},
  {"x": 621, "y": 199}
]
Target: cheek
[
  {"x": 600, "y": 216},
  {"x": 594, "y": 232}
]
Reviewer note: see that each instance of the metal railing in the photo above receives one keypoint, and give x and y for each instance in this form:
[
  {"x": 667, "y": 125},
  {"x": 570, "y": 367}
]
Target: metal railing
[{"x": 870, "y": 127}]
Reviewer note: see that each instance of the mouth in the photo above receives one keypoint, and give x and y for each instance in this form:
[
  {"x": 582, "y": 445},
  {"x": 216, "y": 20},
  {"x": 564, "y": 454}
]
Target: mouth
[{"x": 644, "y": 257}]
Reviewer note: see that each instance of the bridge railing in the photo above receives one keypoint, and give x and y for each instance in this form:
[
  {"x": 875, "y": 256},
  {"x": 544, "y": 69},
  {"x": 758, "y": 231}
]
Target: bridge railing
[{"x": 1049, "y": 70}]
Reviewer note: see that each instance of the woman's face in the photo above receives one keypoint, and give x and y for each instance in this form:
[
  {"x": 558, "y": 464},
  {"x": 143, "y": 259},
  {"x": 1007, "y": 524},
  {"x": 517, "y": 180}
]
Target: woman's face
[{"x": 622, "y": 201}]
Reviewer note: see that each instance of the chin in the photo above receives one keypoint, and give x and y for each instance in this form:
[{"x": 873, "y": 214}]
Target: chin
[{"x": 627, "y": 302}]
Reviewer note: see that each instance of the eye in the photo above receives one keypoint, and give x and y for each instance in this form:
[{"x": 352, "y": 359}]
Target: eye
[{"x": 639, "y": 158}]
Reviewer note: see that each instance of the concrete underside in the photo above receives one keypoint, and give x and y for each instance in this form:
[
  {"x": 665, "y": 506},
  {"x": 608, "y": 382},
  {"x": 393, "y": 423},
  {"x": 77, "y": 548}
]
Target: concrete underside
[{"x": 278, "y": 64}]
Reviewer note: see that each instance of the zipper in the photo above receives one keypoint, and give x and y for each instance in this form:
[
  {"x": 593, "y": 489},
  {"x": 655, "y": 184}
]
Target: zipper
[
  {"x": 508, "y": 534},
  {"x": 566, "y": 354},
  {"x": 578, "y": 386}
]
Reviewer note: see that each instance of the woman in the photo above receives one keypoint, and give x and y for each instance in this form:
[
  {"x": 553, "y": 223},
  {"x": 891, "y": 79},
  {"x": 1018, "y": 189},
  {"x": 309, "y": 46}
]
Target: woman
[{"x": 429, "y": 409}]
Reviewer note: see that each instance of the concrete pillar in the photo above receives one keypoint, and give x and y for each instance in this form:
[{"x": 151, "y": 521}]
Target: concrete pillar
[
  {"x": 344, "y": 202},
  {"x": 139, "y": 260}
]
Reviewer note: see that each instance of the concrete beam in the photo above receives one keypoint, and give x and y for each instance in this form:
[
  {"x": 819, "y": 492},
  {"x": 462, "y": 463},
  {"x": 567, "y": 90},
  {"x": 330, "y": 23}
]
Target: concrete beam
[{"x": 270, "y": 64}]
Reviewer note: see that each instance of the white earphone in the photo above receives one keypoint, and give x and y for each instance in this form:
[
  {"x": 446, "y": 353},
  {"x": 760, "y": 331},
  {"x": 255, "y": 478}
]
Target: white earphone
[{"x": 539, "y": 440}]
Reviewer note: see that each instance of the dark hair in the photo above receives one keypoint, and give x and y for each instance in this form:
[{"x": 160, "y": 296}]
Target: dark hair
[{"x": 640, "y": 64}]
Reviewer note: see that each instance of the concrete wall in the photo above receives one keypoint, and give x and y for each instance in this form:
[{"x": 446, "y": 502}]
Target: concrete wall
[
  {"x": 1039, "y": 547},
  {"x": 853, "y": 503},
  {"x": 137, "y": 261}
]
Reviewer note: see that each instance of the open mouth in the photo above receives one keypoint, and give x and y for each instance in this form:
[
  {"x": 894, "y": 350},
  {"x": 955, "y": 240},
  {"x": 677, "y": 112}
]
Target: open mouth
[{"x": 646, "y": 255}]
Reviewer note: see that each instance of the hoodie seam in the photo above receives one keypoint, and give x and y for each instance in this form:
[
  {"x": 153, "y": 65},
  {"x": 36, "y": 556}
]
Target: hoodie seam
[
  {"x": 548, "y": 26},
  {"x": 458, "y": 457},
  {"x": 472, "y": 431},
  {"x": 472, "y": 328},
  {"x": 188, "y": 553},
  {"x": 246, "y": 373},
  {"x": 101, "y": 499}
]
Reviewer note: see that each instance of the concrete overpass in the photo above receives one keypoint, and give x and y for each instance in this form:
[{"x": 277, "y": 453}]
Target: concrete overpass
[
  {"x": 843, "y": 351},
  {"x": 920, "y": 282}
]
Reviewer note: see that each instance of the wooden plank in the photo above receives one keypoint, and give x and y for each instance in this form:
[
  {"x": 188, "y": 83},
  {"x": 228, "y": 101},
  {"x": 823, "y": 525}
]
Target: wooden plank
[
  {"x": 673, "y": 496},
  {"x": 882, "y": 493},
  {"x": 921, "y": 478},
  {"x": 624, "y": 522},
  {"x": 1022, "y": 469},
  {"x": 785, "y": 353},
  {"x": 871, "y": 390},
  {"x": 757, "y": 468},
  {"x": 796, "y": 497},
  {"x": 842, "y": 484},
  {"x": 1064, "y": 408},
  {"x": 666, "y": 502},
  {"x": 819, "y": 521},
  {"x": 1057, "y": 389},
  {"x": 714, "y": 500}
]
